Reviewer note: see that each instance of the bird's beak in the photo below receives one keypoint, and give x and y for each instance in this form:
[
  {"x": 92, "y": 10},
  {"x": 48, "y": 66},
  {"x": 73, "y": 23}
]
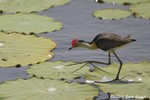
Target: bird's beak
[{"x": 70, "y": 48}]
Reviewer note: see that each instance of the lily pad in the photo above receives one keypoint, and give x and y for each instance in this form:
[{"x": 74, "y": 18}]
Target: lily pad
[
  {"x": 136, "y": 76},
  {"x": 28, "y": 23},
  {"x": 112, "y": 13},
  {"x": 141, "y": 10},
  {"x": 24, "y": 49},
  {"x": 27, "y": 6},
  {"x": 57, "y": 70},
  {"x": 125, "y": 1},
  {"x": 45, "y": 89}
]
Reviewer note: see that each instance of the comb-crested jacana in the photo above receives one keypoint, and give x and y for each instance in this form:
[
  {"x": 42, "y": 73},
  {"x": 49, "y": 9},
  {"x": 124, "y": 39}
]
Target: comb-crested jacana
[{"x": 108, "y": 42}]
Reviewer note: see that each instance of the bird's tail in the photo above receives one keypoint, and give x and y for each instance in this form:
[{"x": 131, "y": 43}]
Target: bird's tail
[
  {"x": 128, "y": 38},
  {"x": 133, "y": 39}
]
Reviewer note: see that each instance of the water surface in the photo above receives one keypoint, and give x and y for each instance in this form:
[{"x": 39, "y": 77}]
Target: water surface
[{"x": 79, "y": 23}]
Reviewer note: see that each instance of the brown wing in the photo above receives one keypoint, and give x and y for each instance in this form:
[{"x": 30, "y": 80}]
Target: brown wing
[{"x": 107, "y": 41}]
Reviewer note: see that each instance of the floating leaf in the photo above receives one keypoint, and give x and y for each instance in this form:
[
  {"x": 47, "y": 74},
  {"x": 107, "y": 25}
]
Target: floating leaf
[
  {"x": 45, "y": 89},
  {"x": 125, "y": 1},
  {"x": 57, "y": 70},
  {"x": 24, "y": 49},
  {"x": 141, "y": 10},
  {"x": 28, "y": 23},
  {"x": 111, "y": 13},
  {"x": 137, "y": 76},
  {"x": 27, "y": 6}
]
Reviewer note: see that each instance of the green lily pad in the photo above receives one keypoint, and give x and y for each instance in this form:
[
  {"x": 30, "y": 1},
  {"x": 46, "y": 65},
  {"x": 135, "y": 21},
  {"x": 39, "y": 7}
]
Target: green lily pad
[
  {"x": 58, "y": 70},
  {"x": 27, "y": 6},
  {"x": 28, "y": 23},
  {"x": 125, "y": 1},
  {"x": 111, "y": 14},
  {"x": 136, "y": 76},
  {"x": 45, "y": 89},
  {"x": 24, "y": 49},
  {"x": 141, "y": 10}
]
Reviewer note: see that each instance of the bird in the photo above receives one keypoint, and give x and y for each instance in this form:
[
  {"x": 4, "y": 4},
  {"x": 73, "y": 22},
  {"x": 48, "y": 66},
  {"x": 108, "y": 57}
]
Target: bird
[{"x": 108, "y": 42}]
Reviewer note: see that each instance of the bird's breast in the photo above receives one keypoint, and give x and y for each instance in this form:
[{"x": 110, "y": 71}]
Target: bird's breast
[{"x": 93, "y": 45}]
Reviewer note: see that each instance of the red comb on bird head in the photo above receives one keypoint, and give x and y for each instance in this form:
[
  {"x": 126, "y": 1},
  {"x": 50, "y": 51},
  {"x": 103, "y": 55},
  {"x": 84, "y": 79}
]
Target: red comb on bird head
[{"x": 74, "y": 42}]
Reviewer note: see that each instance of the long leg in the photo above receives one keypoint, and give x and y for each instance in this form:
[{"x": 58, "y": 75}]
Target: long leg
[
  {"x": 108, "y": 63},
  {"x": 117, "y": 76},
  {"x": 109, "y": 58},
  {"x": 90, "y": 62},
  {"x": 118, "y": 73}
]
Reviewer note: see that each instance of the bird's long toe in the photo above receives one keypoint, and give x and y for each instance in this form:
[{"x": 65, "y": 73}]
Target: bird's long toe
[{"x": 117, "y": 81}]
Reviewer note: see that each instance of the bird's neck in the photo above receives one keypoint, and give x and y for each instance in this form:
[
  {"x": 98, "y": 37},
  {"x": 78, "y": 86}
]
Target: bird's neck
[{"x": 87, "y": 45}]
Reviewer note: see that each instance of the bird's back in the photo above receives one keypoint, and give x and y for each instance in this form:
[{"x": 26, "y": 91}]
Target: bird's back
[{"x": 109, "y": 41}]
